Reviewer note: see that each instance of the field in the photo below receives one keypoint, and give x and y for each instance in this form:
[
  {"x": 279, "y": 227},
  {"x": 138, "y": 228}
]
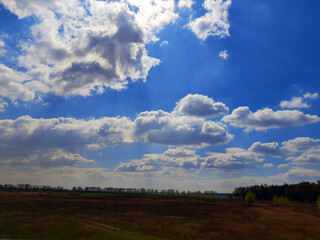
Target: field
[{"x": 26, "y": 215}]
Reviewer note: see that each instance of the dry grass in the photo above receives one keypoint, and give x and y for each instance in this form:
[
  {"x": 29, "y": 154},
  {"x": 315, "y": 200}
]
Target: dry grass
[{"x": 142, "y": 217}]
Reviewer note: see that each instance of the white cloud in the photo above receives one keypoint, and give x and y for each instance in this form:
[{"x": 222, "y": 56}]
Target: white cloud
[
  {"x": 153, "y": 15},
  {"x": 311, "y": 96},
  {"x": 172, "y": 158},
  {"x": 295, "y": 102},
  {"x": 164, "y": 43},
  {"x": 309, "y": 156},
  {"x": 13, "y": 85},
  {"x": 283, "y": 166},
  {"x": 287, "y": 148},
  {"x": 302, "y": 174},
  {"x": 299, "y": 143},
  {"x": 93, "y": 146},
  {"x": 58, "y": 141},
  {"x": 181, "y": 158},
  {"x": 81, "y": 48},
  {"x": 45, "y": 158},
  {"x": 185, "y": 4},
  {"x": 214, "y": 22},
  {"x": 266, "y": 118},
  {"x": 169, "y": 129},
  {"x": 224, "y": 54},
  {"x": 233, "y": 159},
  {"x": 268, "y": 165},
  {"x": 200, "y": 106},
  {"x": 26, "y": 134},
  {"x": 3, "y": 105},
  {"x": 2, "y": 50},
  {"x": 267, "y": 149},
  {"x": 299, "y": 151}
]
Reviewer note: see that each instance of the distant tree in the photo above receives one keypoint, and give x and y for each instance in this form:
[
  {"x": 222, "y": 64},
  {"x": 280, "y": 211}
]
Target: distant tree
[{"x": 250, "y": 197}]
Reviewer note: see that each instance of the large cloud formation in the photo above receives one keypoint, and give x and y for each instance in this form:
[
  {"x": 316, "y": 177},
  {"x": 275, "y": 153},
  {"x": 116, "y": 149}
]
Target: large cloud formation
[
  {"x": 81, "y": 47},
  {"x": 26, "y": 136},
  {"x": 181, "y": 158},
  {"x": 267, "y": 118},
  {"x": 57, "y": 141},
  {"x": 298, "y": 151},
  {"x": 169, "y": 129}
]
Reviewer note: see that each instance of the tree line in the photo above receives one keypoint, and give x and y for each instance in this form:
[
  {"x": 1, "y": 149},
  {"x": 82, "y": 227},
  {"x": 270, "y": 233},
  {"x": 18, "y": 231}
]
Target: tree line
[
  {"x": 47, "y": 188},
  {"x": 306, "y": 192}
]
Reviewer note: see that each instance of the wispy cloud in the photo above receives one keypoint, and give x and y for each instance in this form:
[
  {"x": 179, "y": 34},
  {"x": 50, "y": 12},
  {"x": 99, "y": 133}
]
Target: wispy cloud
[{"x": 224, "y": 54}]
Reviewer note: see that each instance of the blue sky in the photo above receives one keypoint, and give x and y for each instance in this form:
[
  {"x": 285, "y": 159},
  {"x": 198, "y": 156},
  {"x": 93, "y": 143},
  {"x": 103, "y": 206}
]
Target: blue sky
[{"x": 199, "y": 95}]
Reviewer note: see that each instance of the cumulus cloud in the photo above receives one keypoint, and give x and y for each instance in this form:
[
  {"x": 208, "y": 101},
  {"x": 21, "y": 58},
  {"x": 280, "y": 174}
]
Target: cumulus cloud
[
  {"x": 169, "y": 129},
  {"x": 200, "y": 106},
  {"x": 27, "y": 134},
  {"x": 309, "y": 156},
  {"x": 299, "y": 143},
  {"x": 153, "y": 15},
  {"x": 171, "y": 158},
  {"x": 299, "y": 151},
  {"x": 58, "y": 141},
  {"x": 224, "y": 54},
  {"x": 233, "y": 159},
  {"x": 295, "y": 102},
  {"x": 298, "y": 102},
  {"x": 287, "y": 148},
  {"x": 214, "y": 22},
  {"x": 267, "y": 118},
  {"x": 268, "y": 149},
  {"x": 185, "y": 4},
  {"x": 81, "y": 48},
  {"x": 12, "y": 85},
  {"x": 181, "y": 158}
]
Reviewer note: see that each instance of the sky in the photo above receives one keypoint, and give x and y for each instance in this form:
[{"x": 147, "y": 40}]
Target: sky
[{"x": 182, "y": 94}]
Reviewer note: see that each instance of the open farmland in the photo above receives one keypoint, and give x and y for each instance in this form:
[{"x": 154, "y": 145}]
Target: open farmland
[{"x": 29, "y": 215}]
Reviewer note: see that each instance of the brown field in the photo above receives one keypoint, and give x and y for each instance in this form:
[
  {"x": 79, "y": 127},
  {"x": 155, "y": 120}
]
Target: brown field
[{"x": 89, "y": 216}]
